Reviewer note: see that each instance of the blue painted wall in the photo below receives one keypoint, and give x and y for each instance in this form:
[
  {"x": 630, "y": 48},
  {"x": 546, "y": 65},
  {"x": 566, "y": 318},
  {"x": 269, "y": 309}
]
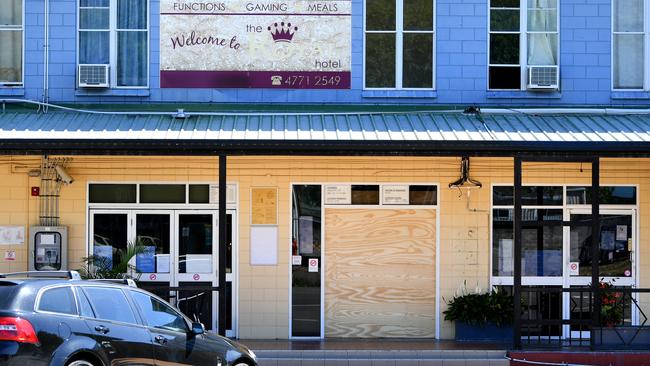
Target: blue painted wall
[{"x": 585, "y": 63}]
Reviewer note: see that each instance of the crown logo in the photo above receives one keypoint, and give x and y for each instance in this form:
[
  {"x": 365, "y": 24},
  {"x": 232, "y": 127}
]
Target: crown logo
[{"x": 282, "y": 32}]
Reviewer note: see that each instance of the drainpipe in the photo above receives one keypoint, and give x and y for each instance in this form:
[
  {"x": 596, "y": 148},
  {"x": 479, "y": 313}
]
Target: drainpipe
[{"x": 46, "y": 56}]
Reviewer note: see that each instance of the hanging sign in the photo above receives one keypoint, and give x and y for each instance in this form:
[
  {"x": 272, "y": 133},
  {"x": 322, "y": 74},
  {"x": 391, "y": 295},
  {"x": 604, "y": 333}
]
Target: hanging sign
[
  {"x": 574, "y": 269},
  {"x": 313, "y": 265},
  {"x": 290, "y": 44}
]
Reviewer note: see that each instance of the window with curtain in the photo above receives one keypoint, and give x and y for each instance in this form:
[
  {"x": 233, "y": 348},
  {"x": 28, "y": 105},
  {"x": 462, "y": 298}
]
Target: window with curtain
[
  {"x": 11, "y": 43},
  {"x": 116, "y": 33},
  {"x": 513, "y": 23},
  {"x": 399, "y": 44},
  {"x": 628, "y": 44}
]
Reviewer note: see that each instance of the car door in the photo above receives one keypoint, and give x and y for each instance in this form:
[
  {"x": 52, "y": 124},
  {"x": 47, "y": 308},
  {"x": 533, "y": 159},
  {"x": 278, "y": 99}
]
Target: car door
[
  {"x": 114, "y": 325},
  {"x": 174, "y": 343}
]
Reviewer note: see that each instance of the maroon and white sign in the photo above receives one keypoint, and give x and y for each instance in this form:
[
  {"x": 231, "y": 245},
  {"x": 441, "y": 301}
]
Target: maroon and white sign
[
  {"x": 152, "y": 277},
  {"x": 313, "y": 265},
  {"x": 293, "y": 44},
  {"x": 196, "y": 277}
]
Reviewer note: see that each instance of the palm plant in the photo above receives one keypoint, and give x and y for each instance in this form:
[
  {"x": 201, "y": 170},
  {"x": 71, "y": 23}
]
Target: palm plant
[{"x": 97, "y": 267}]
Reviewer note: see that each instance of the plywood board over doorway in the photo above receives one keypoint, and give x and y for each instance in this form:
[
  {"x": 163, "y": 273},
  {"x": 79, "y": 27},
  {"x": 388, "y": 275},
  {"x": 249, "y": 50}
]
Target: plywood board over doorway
[{"x": 380, "y": 273}]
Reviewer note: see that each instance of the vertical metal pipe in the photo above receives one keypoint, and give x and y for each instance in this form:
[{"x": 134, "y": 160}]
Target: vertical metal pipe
[
  {"x": 223, "y": 299},
  {"x": 517, "y": 255},
  {"x": 595, "y": 243}
]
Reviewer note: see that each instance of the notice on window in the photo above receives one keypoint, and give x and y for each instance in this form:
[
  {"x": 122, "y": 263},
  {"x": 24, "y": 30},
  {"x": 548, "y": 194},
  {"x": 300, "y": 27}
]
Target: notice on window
[
  {"x": 145, "y": 262},
  {"x": 338, "y": 194},
  {"x": 574, "y": 269},
  {"x": 313, "y": 265},
  {"x": 264, "y": 206},
  {"x": 621, "y": 232},
  {"x": 395, "y": 194},
  {"x": 294, "y": 44},
  {"x": 10, "y": 235}
]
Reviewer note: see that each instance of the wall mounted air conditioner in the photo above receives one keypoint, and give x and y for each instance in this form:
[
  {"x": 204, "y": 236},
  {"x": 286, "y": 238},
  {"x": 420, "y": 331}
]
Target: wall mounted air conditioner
[
  {"x": 544, "y": 77},
  {"x": 93, "y": 76}
]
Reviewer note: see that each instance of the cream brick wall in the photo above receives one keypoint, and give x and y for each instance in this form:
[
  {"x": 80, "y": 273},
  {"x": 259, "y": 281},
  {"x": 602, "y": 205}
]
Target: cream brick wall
[{"x": 264, "y": 290}]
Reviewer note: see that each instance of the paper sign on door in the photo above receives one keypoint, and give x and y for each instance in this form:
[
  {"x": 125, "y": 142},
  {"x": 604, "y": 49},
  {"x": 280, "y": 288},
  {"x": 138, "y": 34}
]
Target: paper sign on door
[
  {"x": 574, "y": 269},
  {"x": 313, "y": 265}
]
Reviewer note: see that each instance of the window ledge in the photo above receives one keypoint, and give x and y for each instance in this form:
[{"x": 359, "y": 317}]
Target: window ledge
[
  {"x": 112, "y": 92},
  {"x": 630, "y": 95},
  {"x": 12, "y": 91},
  {"x": 399, "y": 94},
  {"x": 523, "y": 94}
]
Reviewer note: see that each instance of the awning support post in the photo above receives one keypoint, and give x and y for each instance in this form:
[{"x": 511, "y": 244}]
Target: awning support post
[
  {"x": 223, "y": 300},
  {"x": 516, "y": 334}
]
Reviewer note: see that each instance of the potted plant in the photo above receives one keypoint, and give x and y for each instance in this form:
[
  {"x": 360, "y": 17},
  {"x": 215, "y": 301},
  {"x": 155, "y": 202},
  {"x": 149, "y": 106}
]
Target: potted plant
[
  {"x": 102, "y": 267},
  {"x": 482, "y": 317}
]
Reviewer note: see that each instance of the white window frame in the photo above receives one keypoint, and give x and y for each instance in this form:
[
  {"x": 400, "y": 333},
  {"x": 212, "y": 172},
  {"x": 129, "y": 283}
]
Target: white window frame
[
  {"x": 113, "y": 31},
  {"x": 523, "y": 44},
  {"x": 399, "y": 46},
  {"x": 646, "y": 46},
  {"x": 21, "y": 28}
]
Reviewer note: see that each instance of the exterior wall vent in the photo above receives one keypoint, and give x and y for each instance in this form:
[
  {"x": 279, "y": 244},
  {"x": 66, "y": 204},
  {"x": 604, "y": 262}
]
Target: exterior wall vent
[
  {"x": 543, "y": 77},
  {"x": 93, "y": 76}
]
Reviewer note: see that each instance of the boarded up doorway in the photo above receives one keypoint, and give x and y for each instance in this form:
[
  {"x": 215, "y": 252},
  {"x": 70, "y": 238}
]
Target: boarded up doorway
[{"x": 380, "y": 273}]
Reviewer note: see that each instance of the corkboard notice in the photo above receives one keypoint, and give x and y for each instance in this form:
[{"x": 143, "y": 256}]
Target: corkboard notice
[{"x": 264, "y": 206}]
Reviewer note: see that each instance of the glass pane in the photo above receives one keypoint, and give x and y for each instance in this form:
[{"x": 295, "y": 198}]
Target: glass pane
[
  {"x": 197, "y": 303},
  {"x": 542, "y": 49},
  {"x": 418, "y": 14},
  {"x": 615, "y": 245},
  {"x": 504, "y": 49},
  {"x": 11, "y": 57},
  {"x": 502, "y": 242},
  {"x": 542, "y": 20},
  {"x": 503, "y": 196},
  {"x": 540, "y": 306},
  {"x": 58, "y": 300},
  {"x": 505, "y": 77},
  {"x": 608, "y": 195},
  {"x": 542, "y": 251},
  {"x": 380, "y": 15},
  {"x": 504, "y": 3},
  {"x": 380, "y": 60},
  {"x": 423, "y": 195},
  {"x": 132, "y": 14},
  {"x": 109, "y": 241},
  {"x": 85, "y": 309},
  {"x": 306, "y": 239},
  {"x": 162, "y": 193},
  {"x": 504, "y": 20},
  {"x": 94, "y": 3},
  {"x": 94, "y": 48},
  {"x": 542, "y": 4},
  {"x": 541, "y": 196},
  {"x": 12, "y": 13},
  {"x": 158, "y": 314},
  {"x": 199, "y": 193},
  {"x": 132, "y": 59},
  {"x": 152, "y": 232},
  {"x": 418, "y": 61},
  {"x": 94, "y": 18},
  {"x": 628, "y": 15},
  {"x": 112, "y": 193},
  {"x": 195, "y": 243},
  {"x": 365, "y": 195},
  {"x": 628, "y": 56},
  {"x": 229, "y": 244},
  {"x": 110, "y": 304}
]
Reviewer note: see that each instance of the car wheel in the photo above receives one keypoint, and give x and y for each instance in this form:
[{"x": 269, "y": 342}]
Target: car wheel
[{"x": 80, "y": 363}]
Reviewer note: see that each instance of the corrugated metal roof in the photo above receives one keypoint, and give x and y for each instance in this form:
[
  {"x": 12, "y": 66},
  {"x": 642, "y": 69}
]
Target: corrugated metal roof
[{"x": 399, "y": 126}]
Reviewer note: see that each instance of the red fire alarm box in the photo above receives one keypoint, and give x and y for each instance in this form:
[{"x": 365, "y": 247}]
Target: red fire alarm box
[{"x": 36, "y": 191}]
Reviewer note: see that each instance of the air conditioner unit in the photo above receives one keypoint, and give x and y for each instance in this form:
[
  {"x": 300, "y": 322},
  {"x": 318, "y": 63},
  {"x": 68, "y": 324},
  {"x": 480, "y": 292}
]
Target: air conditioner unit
[
  {"x": 544, "y": 77},
  {"x": 93, "y": 76}
]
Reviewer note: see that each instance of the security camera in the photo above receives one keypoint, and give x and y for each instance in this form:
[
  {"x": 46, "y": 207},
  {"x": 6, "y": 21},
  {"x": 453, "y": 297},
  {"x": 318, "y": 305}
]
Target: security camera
[{"x": 63, "y": 175}]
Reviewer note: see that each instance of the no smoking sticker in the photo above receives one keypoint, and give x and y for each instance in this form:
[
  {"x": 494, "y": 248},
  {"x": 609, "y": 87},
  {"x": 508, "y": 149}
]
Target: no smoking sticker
[
  {"x": 152, "y": 276},
  {"x": 196, "y": 277},
  {"x": 313, "y": 265}
]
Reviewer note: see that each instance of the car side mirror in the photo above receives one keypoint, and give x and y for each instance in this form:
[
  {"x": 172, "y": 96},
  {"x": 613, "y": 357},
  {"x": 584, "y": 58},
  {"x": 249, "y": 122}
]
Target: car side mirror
[{"x": 198, "y": 328}]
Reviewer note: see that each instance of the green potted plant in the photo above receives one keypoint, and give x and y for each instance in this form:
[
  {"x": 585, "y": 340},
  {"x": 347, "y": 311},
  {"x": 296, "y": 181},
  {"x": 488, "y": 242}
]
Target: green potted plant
[
  {"x": 100, "y": 267},
  {"x": 481, "y": 316}
]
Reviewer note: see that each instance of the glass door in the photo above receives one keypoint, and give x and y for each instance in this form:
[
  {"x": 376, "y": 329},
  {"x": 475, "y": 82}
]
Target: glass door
[
  {"x": 154, "y": 233},
  {"x": 616, "y": 262},
  {"x": 110, "y": 235},
  {"x": 195, "y": 265}
]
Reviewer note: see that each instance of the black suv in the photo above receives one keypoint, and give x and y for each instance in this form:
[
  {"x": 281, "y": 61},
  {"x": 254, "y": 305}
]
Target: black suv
[{"x": 47, "y": 321}]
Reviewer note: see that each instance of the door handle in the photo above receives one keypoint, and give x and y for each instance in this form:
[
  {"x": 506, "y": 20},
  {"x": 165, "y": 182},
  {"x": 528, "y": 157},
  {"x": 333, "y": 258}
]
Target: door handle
[
  {"x": 160, "y": 339},
  {"x": 102, "y": 329}
]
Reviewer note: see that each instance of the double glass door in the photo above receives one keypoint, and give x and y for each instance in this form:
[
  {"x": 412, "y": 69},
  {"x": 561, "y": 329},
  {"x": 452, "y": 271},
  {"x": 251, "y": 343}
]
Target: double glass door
[{"x": 174, "y": 248}]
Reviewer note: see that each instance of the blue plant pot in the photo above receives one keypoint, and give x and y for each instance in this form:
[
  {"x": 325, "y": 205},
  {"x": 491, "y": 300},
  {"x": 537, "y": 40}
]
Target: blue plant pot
[{"x": 486, "y": 333}]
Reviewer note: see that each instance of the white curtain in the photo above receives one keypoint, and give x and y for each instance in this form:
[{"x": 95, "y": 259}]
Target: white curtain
[
  {"x": 628, "y": 44},
  {"x": 132, "y": 40},
  {"x": 542, "y": 42},
  {"x": 11, "y": 42},
  {"x": 94, "y": 37}
]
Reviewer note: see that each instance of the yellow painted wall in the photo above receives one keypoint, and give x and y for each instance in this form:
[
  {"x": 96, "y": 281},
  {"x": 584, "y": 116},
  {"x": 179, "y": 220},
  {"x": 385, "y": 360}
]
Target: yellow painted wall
[{"x": 264, "y": 290}]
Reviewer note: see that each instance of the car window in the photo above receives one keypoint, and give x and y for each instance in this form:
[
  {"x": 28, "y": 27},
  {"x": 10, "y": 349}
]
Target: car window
[
  {"x": 58, "y": 300},
  {"x": 84, "y": 305},
  {"x": 157, "y": 314},
  {"x": 109, "y": 304}
]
